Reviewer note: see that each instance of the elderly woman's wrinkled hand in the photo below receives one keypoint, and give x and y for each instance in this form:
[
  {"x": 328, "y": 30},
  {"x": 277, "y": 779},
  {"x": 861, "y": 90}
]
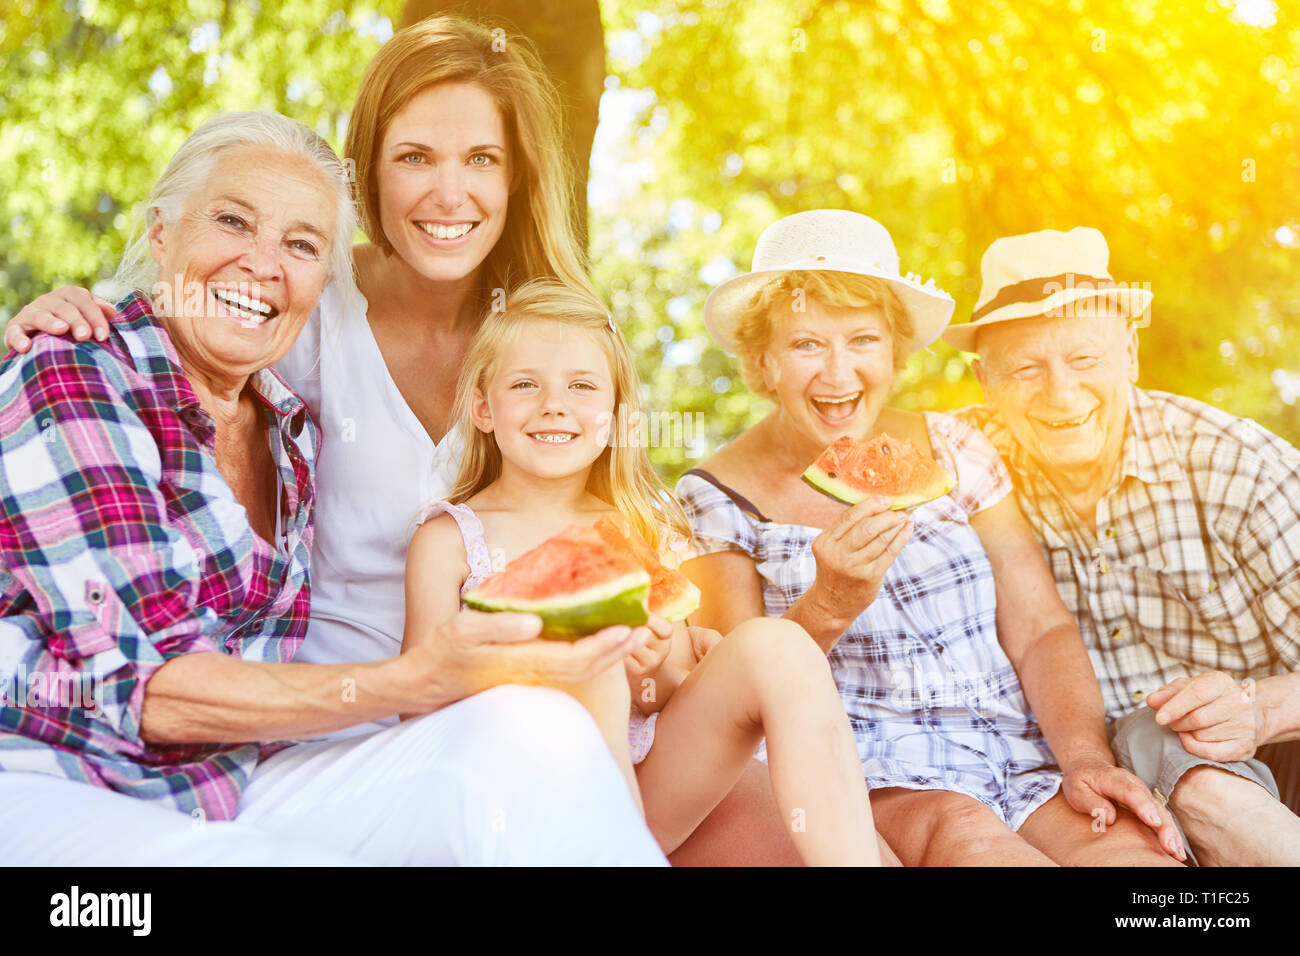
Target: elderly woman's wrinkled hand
[
  {"x": 1091, "y": 784},
  {"x": 70, "y": 310},
  {"x": 854, "y": 554},
  {"x": 474, "y": 651}
]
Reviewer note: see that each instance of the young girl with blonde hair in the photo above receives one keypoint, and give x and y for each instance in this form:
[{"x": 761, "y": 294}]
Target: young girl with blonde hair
[{"x": 538, "y": 398}]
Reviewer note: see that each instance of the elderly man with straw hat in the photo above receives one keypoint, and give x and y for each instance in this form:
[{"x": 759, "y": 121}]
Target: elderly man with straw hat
[{"x": 1172, "y": 529}]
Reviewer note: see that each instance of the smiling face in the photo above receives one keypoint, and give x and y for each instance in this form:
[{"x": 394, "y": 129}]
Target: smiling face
[
  {"x": 244, "y": 264},
  {"x": 1062, "y": 385},
  {"x": 549, "y": 400},
  {"x": 443, "y": 177},
  {"x": 831, "y": 368}
]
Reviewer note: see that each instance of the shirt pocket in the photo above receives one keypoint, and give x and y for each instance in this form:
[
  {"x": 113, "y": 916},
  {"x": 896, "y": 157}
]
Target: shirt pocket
[
  {"x": 1179, "y": 606},
  {"x": 94, "y": 627}
]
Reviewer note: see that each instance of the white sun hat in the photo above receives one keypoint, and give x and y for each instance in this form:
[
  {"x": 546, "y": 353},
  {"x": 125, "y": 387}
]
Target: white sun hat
[
  {"x": 828, "y": 240},
  {"x": 1041, "y": 274}
]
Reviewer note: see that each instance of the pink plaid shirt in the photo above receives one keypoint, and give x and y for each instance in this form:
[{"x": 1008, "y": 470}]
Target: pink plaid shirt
[{"x": 122, "y": 547}]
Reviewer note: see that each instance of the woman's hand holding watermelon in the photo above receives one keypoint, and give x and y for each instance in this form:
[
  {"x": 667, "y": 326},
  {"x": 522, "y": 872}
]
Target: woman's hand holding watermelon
[
  {"x": 472, "y": 652},
  {"x": 852, "y": 555}
]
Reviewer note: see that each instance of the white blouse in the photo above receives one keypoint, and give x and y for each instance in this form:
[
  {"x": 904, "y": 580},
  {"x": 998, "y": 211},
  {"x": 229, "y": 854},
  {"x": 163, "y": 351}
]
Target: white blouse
[{"x": 376, "y": 470}]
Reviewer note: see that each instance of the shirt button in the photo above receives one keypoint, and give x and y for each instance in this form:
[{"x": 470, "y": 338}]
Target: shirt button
[
  {"x": 1139, "y": 695},
  {"x": 1117, "y": 635},
  {"x": 1102, "y": 566},
  {"x": 94, "y": 594},
  {"x": 1112, "y": 532}
]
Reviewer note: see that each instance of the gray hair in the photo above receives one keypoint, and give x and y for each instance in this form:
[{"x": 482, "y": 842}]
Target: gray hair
[{"x": 194, "y": 162}]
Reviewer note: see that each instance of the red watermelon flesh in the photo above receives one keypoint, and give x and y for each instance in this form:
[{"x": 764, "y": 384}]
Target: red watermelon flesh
[
  {"x": 575, "y": 581},
  {"x": 672, "y": 595},
  {"x": 886, "y": 466}
]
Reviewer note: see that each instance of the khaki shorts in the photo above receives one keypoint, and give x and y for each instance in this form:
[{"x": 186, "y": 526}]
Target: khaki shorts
[{"x": 1156, "y": 755}]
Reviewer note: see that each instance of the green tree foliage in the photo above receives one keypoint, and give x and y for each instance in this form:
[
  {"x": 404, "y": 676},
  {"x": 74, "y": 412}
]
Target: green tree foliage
[
  {"x": 97, "y": 96},
  {"x": 1172, "y": 126}
]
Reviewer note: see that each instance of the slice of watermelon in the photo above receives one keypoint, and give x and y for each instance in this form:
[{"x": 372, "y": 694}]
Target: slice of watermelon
[
  {"x": 850, "y": 471},
  {"x": 672, "y": 595},
  {"x": 575, "y": 581}
]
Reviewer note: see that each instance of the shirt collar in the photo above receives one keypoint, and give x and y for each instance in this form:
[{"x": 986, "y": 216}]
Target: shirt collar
[
  {"x": 1148, "y": 453},
  {"x": 162, "y": 366}
]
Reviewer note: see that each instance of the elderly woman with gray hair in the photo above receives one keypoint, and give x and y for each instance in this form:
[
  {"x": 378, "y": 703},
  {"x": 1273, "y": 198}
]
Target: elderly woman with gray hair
[{"x": 154, "y": 544}]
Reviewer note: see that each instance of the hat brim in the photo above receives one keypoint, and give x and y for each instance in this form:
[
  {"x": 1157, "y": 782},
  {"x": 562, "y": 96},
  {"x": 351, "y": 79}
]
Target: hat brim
[
  {"x": 1134, "y": 302},
  {"x": 929, "y": 309}
]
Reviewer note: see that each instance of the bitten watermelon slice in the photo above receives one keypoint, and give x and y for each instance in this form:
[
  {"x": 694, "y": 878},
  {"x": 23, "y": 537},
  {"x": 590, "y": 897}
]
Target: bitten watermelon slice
[
  {"x": 576, "y": 581},
  {"x": 852, "y": 471},
  {"x": 672, "y": 595}
]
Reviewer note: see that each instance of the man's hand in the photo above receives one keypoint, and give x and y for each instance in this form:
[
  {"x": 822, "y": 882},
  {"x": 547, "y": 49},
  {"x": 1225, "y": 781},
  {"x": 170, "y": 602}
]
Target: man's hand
[
  {"x": 1091, "y": 784},
  {"x": 1214, "y": 716}
]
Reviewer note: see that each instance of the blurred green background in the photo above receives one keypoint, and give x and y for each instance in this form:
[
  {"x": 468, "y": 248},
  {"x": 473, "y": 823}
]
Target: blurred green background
[{"x": 1171, "y": 125}]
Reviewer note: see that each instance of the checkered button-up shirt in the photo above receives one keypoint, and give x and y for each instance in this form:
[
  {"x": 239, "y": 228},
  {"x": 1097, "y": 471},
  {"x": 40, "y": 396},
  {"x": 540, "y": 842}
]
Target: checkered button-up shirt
[
  {"x": 1196, "y": 562},
  {"x": 931, "y": 696},
  {"x": 122, "y": 547}
]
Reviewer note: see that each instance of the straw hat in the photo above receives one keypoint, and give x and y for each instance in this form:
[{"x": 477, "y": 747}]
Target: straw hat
[
  {"x": 1041, "y": 273},
  {"x": 828, "y": 240}
]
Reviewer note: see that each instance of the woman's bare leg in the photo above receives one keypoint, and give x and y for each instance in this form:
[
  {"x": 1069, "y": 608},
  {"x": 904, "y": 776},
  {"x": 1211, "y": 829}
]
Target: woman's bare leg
[
  {"x": 746, "y": 829},
  {"x": 766, "y": 676},
  {"x": 941, "y": 828},
  {"x": 1070, "y": 839}
]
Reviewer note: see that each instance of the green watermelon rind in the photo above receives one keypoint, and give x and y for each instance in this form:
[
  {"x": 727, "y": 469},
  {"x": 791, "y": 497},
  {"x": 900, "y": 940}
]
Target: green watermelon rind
[
  {"x": 846, "y": 493},
  {"x": 683, "y": 606},
  {"x": 621, "y": 601}
]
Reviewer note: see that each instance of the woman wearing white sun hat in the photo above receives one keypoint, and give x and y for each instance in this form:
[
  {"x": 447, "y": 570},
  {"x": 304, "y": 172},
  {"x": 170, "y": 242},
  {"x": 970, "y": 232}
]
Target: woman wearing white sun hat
[{"x": 906, "y": 606}]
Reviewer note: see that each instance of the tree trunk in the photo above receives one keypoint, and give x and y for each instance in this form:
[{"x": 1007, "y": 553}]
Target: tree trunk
[{"x": 570, "y": 39}]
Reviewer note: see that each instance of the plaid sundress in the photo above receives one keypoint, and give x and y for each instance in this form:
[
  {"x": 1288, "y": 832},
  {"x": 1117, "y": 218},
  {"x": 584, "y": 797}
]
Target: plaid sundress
[{"x": 932, "y": 698}]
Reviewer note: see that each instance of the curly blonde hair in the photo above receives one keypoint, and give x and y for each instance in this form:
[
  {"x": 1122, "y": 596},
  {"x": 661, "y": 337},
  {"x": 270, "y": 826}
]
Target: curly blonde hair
[{"x": 753, "y": 331}]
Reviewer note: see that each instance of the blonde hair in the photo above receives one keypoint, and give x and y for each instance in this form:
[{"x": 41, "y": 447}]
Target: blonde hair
[
  {"x": 538, "y": 239},
  {"x": 622, "y": 476},
  {"x": 753, "y": 331}
]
